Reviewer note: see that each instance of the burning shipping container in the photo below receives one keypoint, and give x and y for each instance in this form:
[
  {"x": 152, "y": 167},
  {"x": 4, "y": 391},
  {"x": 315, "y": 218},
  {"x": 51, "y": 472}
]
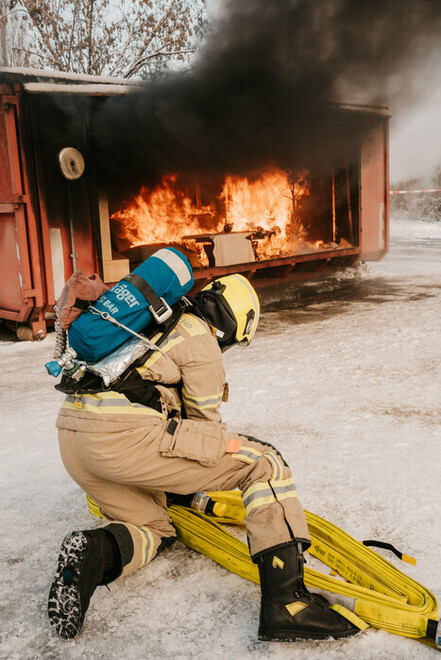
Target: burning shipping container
[{"x": 274, "y": 222}]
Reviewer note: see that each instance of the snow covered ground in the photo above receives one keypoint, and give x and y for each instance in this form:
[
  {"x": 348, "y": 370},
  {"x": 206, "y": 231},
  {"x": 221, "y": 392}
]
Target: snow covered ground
[{"x": 344, "y": 377}]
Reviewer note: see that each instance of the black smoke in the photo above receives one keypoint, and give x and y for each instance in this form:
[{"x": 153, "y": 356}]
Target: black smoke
[{"x": 262, "y": 90}]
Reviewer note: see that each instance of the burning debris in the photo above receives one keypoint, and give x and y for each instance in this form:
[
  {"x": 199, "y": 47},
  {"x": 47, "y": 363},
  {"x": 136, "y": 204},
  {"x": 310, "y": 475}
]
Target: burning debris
[{"x": 266, "y": 210}]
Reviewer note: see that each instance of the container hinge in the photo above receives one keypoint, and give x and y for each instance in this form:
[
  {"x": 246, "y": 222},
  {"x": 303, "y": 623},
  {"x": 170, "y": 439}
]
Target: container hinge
[
  {"x": 28, "y": 292},
  {"x": 9, "y": 101},
  {"x": 19, "y": 198}
]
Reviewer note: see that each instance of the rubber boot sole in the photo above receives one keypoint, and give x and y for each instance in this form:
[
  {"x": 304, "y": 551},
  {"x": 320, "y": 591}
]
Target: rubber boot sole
[
  {"x": 64, "y": 604},
  {"x": 299, "y": 636}
]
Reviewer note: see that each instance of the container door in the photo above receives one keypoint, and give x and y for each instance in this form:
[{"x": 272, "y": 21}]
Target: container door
[
  {"x": 374, "y": 203},
  {"x": 20, "y": 290},
  {"x": 68, "y": 207}
]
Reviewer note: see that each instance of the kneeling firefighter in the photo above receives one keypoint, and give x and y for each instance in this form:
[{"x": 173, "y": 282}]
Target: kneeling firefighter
[{"x": 127, "y": 455}]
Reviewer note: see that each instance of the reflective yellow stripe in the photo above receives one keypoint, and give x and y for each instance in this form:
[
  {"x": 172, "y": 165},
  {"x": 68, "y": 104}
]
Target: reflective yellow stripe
[
  {"x": 241, "y": 457},
  {"x": 277, "y": 470},
  {"x": 199, "y": 402},
  {"x": 173, "y": 340},
  {"x": 257, "y": 495},
  {"x": 259, "y": 485},
  {"x": 202, "y": 399},
  {"x": 103, "y": 396},
  {"x": 284, "y": 496},
  {"x": 147, "y": 542},
  {"x": 283, "y": 483},
  {"x": 284, "y": 488},
  {"x": 268, "y": 499},
  {"x": 149, "y": 363},
  {"x": 248, "y": 454},
  {"x": 114, "y": 410},
  {"x": 108, "y": 403}
]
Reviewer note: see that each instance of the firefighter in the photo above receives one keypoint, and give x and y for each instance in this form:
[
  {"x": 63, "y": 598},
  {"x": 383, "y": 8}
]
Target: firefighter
[{"x": 127, "y": 456}]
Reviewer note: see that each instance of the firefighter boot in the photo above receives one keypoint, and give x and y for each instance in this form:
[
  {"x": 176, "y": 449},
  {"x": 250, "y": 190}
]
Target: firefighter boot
[
  {"x": 288, "y": 610},
  {"x": 87, "y": 559}
]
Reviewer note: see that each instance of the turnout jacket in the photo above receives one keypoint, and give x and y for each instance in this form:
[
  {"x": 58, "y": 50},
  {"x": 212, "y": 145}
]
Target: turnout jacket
[
  {"x": 127, "y": 456},
  {"x": 190, "y": 379}
]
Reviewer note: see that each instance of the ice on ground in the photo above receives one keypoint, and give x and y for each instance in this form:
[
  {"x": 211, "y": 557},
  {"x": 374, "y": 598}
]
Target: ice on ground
[{"x": 343, "y": 376}]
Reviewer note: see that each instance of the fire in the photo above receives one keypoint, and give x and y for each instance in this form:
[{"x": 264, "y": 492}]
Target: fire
[
  {"x": 268, "y": 206},
  {"x": 164, "y": 215}
]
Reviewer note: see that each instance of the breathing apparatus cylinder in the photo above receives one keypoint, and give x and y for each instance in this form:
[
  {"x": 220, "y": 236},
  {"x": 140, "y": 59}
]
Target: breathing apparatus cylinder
[{"x": 145, "y": 294}]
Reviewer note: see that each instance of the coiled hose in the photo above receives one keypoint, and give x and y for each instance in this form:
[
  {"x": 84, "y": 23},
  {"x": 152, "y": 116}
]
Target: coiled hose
[{"x": 376, "y": 592}]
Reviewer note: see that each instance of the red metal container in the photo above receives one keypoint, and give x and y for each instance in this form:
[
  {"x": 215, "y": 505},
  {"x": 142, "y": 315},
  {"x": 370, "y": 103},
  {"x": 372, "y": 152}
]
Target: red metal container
[{"x": 51, "y": 225}]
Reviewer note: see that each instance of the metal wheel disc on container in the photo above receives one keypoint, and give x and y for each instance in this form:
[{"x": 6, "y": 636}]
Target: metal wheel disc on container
[{"x": 71, "y": 163}]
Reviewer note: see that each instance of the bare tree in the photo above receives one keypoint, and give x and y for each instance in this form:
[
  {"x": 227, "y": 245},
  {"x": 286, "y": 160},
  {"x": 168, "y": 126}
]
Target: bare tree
[
  {"x": 13, "y": 33},
  {"x": 100, "y": 37}
]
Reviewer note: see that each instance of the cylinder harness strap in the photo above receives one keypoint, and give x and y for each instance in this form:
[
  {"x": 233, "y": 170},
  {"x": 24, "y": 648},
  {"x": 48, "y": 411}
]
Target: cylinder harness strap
[
  {"x": 158, "y": 307},
  {"x": 376, "y": 593}
]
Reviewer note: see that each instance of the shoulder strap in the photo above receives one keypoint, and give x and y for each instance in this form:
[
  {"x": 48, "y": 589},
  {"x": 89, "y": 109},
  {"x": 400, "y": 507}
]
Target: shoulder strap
[
  {"x": 166, "y": 329},
  {"x": 158, "y": 307}
]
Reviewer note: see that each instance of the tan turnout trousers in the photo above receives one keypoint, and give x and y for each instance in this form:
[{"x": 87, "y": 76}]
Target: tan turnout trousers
[{"x": 127, "y": 456}]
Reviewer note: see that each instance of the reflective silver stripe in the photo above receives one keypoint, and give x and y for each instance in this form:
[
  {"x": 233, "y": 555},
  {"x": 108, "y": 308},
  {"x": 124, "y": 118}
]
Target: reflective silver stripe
[
  {"x": 250, "y": 455},
  {"x": 259, "y": 494},
  {"x": 279, "y": 490},
  {"x": 276, "y": 463},
  {"x": 105, "y": 402},
  {"x": 147, "y": 544},
  {"x": 264, "y": 491},
  {"x": 200, "y": 402},
  {"x": 177, "y": 265},
  {"x": 254, "y": 455},
  {"x": 247, "y": 452},
  {"x": 171, "y": 337}
]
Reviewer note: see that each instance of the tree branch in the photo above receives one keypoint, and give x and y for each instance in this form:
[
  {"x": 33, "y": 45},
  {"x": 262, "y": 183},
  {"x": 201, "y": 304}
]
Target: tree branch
[{"x": 135, "y": 68}]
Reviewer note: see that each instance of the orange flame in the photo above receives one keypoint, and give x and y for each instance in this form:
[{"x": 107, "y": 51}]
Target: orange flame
[
  {"x": 164, "y": 215},
  {"x": 267, "y": 206}
]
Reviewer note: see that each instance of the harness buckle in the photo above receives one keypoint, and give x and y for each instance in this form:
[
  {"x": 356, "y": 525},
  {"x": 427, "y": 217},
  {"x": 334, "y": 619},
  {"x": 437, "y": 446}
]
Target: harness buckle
[{"x": 163, "y": 313}]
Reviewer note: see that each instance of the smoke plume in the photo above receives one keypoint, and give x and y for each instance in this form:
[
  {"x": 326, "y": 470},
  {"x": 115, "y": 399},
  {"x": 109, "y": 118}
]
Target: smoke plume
[{"x": 263, "y": 88}]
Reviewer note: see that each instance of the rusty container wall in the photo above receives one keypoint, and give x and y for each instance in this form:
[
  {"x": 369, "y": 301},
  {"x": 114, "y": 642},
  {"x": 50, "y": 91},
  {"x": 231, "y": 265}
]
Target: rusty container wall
[
  {"x": 67, "y": 207},
  {"x": 23, "y": 294},
  {"x": 374, "y": 191},
  {"x": 45, "y": 219}
]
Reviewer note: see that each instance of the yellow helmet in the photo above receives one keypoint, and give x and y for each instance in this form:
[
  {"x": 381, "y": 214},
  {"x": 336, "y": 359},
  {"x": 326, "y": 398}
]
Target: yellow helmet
[{"x": 230, "y": 305}]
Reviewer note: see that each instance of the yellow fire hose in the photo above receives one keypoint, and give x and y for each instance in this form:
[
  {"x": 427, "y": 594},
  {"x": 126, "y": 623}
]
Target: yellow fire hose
[{"x": 375, "y": 593}]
